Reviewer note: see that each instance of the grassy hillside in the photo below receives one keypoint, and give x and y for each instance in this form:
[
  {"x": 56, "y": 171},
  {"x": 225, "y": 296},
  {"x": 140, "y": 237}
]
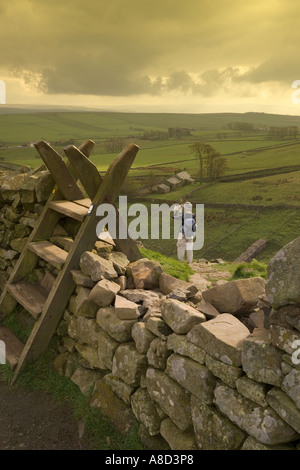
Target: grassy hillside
[{"x": 228, "y": 231}]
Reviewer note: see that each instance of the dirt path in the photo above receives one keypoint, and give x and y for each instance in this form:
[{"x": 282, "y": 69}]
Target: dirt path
[{"x": 31, "y": 420}]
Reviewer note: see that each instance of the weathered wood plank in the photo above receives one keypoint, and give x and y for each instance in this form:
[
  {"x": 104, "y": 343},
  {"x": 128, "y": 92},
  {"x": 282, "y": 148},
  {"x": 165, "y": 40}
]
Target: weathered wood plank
[
  {"x": 29, "y": 296},
  {"x": 84, "y": 202},
  {"x": 70, "y": 209},
  {"x": 63, "y": 242},
  {"x": 64, "y": 285},
  {"x": 84, "y": 169},
  {"x": 13, "y": 346},
  {"x": 91, "y": 180},
  {"x": 49, "y": 252},
  {"x": 59, "y": 171}
]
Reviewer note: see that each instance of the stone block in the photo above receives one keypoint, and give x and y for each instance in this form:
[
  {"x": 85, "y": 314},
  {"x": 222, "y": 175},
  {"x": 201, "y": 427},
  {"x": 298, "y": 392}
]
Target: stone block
[
  {"x": 128, "y": 364},
  {"x": 213, "y": 431},
  {"x": 261, "y": 423},
  {"x": 261, "y": 360},
  {"x": 221, "y": 337},
  {"x": 173, "y": 399},
  {"x": 194, "y": 377},
  {"x": 180, "y": 316},
  {"x": 235, "y": 297}
]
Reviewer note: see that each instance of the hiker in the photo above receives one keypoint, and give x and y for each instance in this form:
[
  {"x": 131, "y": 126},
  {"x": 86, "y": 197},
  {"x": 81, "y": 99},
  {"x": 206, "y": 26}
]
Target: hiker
[{"x": 186, "y": 232}]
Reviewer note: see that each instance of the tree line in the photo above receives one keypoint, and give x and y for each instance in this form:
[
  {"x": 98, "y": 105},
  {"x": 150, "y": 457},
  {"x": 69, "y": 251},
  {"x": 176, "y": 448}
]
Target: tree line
[{"x": 211, "y": 164}]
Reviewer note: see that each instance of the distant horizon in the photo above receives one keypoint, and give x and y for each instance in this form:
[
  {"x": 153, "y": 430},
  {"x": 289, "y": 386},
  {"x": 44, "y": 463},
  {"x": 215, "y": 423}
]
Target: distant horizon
[{"x": 10, "y": 107}]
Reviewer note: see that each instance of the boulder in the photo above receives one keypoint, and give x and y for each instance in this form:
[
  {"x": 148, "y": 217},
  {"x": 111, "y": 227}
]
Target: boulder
[
  {"x": 252, "y": 444},
  {"x": 228, "y": 374},
  {"x": 254, "y": 391},
  {"x": 104, "y": 292},
  {"x": 103, "y": 247},
  {"x": 18, "y": 244},
  {"x": 221, "y": 337},
  {"x": 120, "y": 415},
  {"x": 146, "y": 273},
  {"x": 142, "y": 337},
  {"x": 158, "y": 326},
  {"x": 106, "y": 349},
  {"x": 283, "y": 276},
  {"x": 235, "y": 297},
  {"x": 43, "y": 186},
  {"x": 84, "y": 306},
  {"x": 90, "y": 354},
  {"x": 158, "y": 353},
  {"x": 125, "y": 309},
  {"x": 121, "y": 389},
  {"x": 122, "y": 282},
  {"x": 287, "y": 316},
  {"x": 86, "y": 379},
  {"x": 84, "y": 330},
  {"x": 213, "y": 431},
  {"x": 152, "y": 442},
  {"x": 179, "y": 344},
  {"x": 176, "y": 438},
  {"x": 168, "y": 284},
  {"x": 81, "y": 279},
  {"x": 119, "y": 330},
  {"x": 260, "y": 359},
  {"x": 97, "y": 267},
  {"x": 194, "y": 377},
  {"x": 119, "y": 261},
  {"x": 261, "y": 423},
  {"x": 291, "y": 386},
  {"x": 285, "y": 407},
  {"x": 283, "y": 338},
  {"x": 208, "y": 309},
  {"x": 128, "y": 364},
  {"x": 179, "y": 316},
  {"x": 141, "y": 296},
  {"x": 144, "y": 409},
  {"x": 173, "y": 399}
]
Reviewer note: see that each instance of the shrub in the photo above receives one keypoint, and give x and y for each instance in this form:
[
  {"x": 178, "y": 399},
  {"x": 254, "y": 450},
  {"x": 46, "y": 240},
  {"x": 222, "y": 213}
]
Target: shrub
[{"x": 253, "y": 269}]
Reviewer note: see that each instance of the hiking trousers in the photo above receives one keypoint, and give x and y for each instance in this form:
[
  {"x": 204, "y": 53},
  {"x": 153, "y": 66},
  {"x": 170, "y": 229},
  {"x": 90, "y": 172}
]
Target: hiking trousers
[{"x": 184, "y": 245}]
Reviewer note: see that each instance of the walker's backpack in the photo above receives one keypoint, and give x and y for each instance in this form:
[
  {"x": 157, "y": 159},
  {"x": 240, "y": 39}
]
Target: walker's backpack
[{"x": 189, "y": 225}]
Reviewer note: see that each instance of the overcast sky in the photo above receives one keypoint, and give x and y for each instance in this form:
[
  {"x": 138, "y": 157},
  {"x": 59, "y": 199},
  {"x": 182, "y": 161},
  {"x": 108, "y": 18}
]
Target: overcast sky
[{"x": 160, "y": 55}]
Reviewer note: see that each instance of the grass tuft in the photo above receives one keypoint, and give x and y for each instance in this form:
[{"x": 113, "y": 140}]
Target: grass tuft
[
  {"x": 170, "y": 266},
  {"x": 253, "y": 269}
]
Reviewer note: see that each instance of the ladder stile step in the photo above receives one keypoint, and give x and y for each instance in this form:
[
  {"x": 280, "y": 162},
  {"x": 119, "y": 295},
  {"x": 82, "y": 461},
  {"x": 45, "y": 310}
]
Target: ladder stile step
[
  {"x": 49, "y": 252},
  {"x": 29, "y": 295},
  {"x": 84, "y": 202},
  {"x": 63, "y": 242},
  {"x": 70, "y": 209},
  {"x": 13, "y": 347}
]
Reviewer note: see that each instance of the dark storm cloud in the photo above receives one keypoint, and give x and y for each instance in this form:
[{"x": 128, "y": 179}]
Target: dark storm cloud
[{"x": 132, "y": 47}]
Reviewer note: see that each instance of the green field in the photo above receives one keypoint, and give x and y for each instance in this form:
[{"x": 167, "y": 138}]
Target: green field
[{"x": 228, "y": 230}]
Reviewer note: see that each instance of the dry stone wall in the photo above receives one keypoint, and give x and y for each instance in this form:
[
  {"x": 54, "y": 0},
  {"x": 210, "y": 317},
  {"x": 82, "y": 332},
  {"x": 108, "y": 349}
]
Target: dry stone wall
[
  {"x": 148, "y": 349},
  {"x": 22, "y": 196}
]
